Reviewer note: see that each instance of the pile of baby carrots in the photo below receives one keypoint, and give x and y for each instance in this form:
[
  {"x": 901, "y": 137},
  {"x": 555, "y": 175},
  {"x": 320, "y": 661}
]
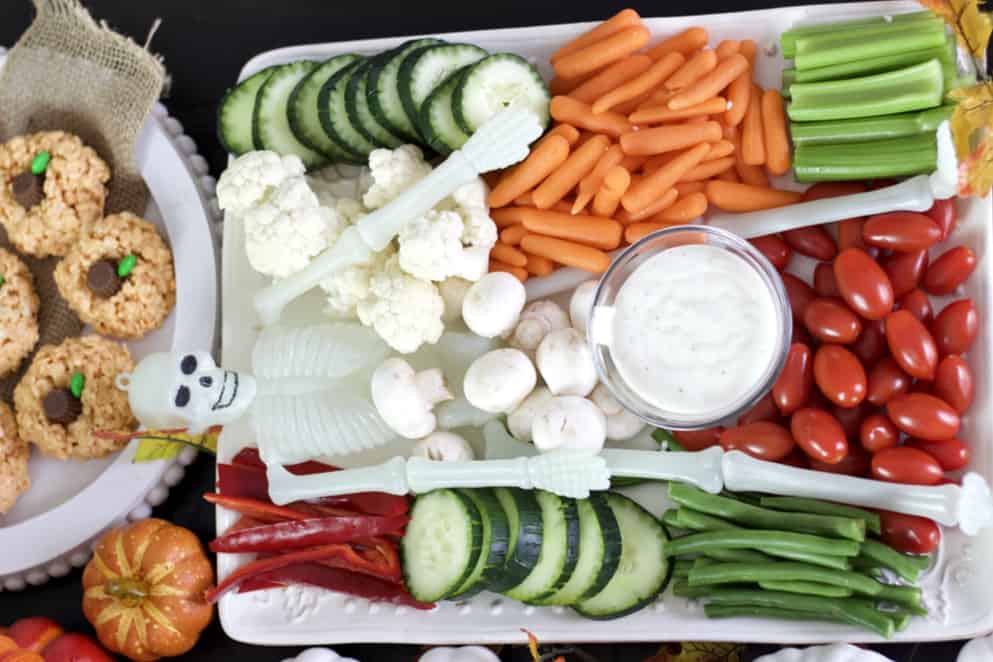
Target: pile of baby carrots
[{"x": 642, "y": 139}]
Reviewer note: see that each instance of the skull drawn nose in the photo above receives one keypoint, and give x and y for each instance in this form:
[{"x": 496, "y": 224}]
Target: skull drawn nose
[{"x": 206, "y": 382}]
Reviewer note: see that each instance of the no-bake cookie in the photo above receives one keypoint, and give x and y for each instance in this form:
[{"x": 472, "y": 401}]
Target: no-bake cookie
[
  {"x": 68, "y": 392},
  {"x": 119, "y": 277},
  {"x": 52, "y": 186},
  {"x": 14, "y": 454},
  {"x": 18, "y": 312}
]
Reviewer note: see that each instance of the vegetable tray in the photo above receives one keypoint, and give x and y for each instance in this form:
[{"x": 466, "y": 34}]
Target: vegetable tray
[{"x": 956, "y": 590}]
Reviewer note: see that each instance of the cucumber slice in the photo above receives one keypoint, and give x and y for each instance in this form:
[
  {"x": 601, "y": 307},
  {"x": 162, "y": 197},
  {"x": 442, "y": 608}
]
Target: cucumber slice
[
  {"x": 304, "y": 120},
  {"x": 234, "y": 114},
  {"x": 270, "y": 120},
  {"x": 357, "y": 107},
  {"x": 426, "y": 68},
  {"x": 643, "y": 571},
  {"x": 496, "y": 537},
  {"x": 559, "y": 549},
  {"x": 599, "y": 553},
  {"x": 500, "y": 81},
  {"x": 437, "y": 122},
  {"x": 442, "y": 544},
  {"x": 333, "y": 116},
  {"x": 525, "y": 536},
  {"x": 382, "y": 92}
]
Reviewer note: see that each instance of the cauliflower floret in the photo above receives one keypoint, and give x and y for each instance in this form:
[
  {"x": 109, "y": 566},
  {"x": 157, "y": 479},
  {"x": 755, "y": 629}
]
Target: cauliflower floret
[
  {"x": 339, "y": 182},
  {"x": 285, "y": 231},
  {"x": 251, "y": 178},
  {"x": 405, "y": 311},
  {"x": 470, "y": 201},
  {"x": 431, "y": 245},
  {"x": 393, "y": 172},
  {"x": 346, "y": 288}
]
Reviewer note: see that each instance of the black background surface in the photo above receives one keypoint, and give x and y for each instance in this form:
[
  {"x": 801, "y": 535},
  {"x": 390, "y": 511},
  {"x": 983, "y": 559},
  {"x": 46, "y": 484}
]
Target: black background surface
[{"x": 205, "y": 43}]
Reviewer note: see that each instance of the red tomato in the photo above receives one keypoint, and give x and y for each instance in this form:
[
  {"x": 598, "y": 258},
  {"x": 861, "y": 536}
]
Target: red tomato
[
  {"x": 812, "y": 241},
  {"x": 878, "y": 432},
  {"x": 819, "y": 435},
  {"x": 950, "y": 270},
  {"x": 774, "y": 249},
  {"x": 697, "y": 440},
  {"x": 954, "y": 384},
  {"x": 792, "y": 388},
  {"x": 76, "y": 647},
  {"x": 824, "y": 281},
  {"x": 886, "y": 379},
  {"x": 822, "y": 190},
  {"x": 799, "y": 293},
  {"x": 856, "y": 463},
  {"x": 839, "y": 375},
  {"x": 764, "y": 440},
  {"x": 801, "y": 335},
  {"x": 902, "y": 231},
  {"x": 763, "y": 410},
  {"x": 850, "y": 236},
  {"x": 921, "y": 386},
  {"x": 923, "y": 416},
  {"x": 911, "y": 344},
  {"x": 917, "y": 304},
  {"x": 908, "y": 533},
  {"x": 905, "y": 270},
  {"x": 850, "y": 418},
  {"x": 870, "y": 346},
  {"x": 797, "y": 459},
  {"x": 864, "y": 285},
  {"x": 830, "y": 320},
  {"x": 906, "y": 465},
  {"x": 951, "y": 454},
  {"x": 944, "y": 214},
  {"x": 955, "y": 327}
]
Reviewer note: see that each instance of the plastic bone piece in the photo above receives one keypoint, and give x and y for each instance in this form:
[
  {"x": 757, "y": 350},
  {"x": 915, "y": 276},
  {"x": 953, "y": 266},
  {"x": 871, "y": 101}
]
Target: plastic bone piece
[
  {"x": 502, "y": 141},
  {"x": 702, "y": 469},
  {"x": 970, "y": 506}
]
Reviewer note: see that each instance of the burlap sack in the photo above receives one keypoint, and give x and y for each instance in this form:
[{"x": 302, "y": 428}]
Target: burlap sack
[{"x": 70, "y": 73}]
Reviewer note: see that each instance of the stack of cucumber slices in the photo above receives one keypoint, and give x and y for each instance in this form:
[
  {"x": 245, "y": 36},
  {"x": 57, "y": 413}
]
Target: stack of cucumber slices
[
  {"x": 424, "y": 91},
  {"x": 603, "y": 556}
]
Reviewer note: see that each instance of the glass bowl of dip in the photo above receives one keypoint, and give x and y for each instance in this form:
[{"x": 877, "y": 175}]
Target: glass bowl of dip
[{"x": 689, "y": 327}]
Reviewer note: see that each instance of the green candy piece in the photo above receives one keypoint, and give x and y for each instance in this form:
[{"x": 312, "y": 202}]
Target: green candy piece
[
  {"x": 1, "y": 280},
  {"x": 40, "y": 162},
  {"x": 126, "y": 265},
  {"x": 76, "y": 384}
]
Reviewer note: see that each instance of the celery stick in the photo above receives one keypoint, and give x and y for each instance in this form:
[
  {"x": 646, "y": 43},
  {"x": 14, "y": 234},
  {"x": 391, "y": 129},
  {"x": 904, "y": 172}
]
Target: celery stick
[
  {"x": 869, "y": 128},
  {"x": 789, "y": 77},
  {"x": 911, "y": 88},
  {"x": 866, "y": 160},
  {"x": 872, "y": 65},
  {"x": 788, "y": 39},
  {"x": 826, "y": 50}
]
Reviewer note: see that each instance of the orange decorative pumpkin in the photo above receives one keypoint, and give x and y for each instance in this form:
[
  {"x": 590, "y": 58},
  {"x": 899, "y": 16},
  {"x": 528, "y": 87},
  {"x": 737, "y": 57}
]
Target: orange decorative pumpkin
[{"x": 144, "y": 587}]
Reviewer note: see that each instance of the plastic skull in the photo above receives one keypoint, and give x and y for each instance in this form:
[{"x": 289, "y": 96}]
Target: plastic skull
[{"x": 186, "y": 390}]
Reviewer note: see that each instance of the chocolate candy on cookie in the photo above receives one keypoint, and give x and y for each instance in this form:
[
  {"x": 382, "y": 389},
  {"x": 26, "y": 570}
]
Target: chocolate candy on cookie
[{"x": 18, "y": 312}]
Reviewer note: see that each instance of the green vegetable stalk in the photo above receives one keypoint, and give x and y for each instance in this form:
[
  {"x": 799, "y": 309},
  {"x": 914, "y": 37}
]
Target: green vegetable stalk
[
  {"x": 869, "y": 128},
  {"x": 788, "y": 39},
  {"x": 897, "y": 157},
  {"x": 867, "y": 66},
  {"x": 801, "y": 505},
  {"x": 823, "y": 50}
]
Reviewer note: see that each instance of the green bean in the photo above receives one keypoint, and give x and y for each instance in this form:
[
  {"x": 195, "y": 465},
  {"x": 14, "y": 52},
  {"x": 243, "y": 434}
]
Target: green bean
[
  {"x": 701, "y": 562},
  {"x": 808, "y": 588},
  {"x": 770, "y": 542},
  {"x": 908, "y": 567},
  {"x": 815, "y": 507},
  {"x": 682, "y": 568},
  {"x": 905, "y": 596},
  {"x": 671, "y": 519},
  {"x": 731, "y": 573},
  {"x": 763, "y": 518},
  {"x": 901, "y": 621},
  {"x": 664, "y": 437},
  {"x": 682, "y": 589},
  {"x": 737, "y": 555},
  {"x": 697, "y": 521},
  {"x": 773, "y": 613}
]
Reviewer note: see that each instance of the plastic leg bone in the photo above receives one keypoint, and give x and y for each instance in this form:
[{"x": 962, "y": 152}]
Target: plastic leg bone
[
  {"x": 702, "y": 469},
  {"x": 389, "y": 477}
]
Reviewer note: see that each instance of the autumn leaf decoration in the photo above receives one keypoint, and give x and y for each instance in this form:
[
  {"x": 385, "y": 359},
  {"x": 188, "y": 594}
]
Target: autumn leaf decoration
[{"x": 972, "y": 120}]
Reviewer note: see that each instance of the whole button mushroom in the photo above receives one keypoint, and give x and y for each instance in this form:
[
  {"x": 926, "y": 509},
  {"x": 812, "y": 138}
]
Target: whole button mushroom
[
  {"x": 538, "y": 320},
  {"x": 520, "y": 419},
  {"x": 405, "y": 398},
  {"x": 581, "y": 304},
  {"x": 571, "y": 423},
  {"x": 566, "y": 363},
  {"x": 493, "y": 304},
  {"x": 498, "y": 381},
  {"x": 621, "y": 424},
  {"x": 443, "y": 446}
]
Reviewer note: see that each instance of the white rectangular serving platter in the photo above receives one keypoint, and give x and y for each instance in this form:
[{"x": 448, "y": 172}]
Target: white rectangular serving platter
[{"x": 957, "y": 591}]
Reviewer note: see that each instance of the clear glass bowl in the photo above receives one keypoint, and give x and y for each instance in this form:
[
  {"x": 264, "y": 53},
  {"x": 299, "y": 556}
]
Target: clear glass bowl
[{"x": 600, "y": 325}]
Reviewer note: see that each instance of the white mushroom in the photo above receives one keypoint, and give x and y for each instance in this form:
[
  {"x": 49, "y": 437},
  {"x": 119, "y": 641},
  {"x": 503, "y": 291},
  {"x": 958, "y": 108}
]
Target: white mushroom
[
  {"x": 493, "y": 304},
  {"x": 569, "y": 422},
  {"x": 621, "y": 424},
  {"x": 566, "y": 364},
  {"x": 537, "y": 321},
  {"x": 520, "y": 419},
  {"x": 581, "y": 304},
  {"x": 444, "y": 446},
  {"x": 499, "y": 380},
  {"x": 405, "y": 398},
  {"x": 453, "y": 291}
]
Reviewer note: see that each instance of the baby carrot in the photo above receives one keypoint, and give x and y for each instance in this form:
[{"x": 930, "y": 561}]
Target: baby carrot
[
  {"x": 638, "y": 231},
  {"x": 568, "y": 253},
  {"x": 669, "y": 138},
  {"x": 602, "y": 233},
  {"x": 512, "y": 235},
  {"x": 564, "y": 178},
  {"x": 657, "y": 114},
  {"x": 697, "y": 66},
  {"x": 517, "y": 272},
  {"x": 741, "y": 87},
  {"x": 727, "y": 48},
  {"x": 539, "y": 266},
  {"x": 752, "y": 142},
  {"x": 652, "y": 186},
  {"x": 720, "y": 149},
  {"x": 632, "y": 162},
  {"x": 524, "y": 200},
  {"x": 777, "y": 143},
  {"x": 749, "y": 174},
  {"x": 615, "y": 183},
  {"x": 733, "y": 197},
  {"x": 622, "y": 19},
  {"x": 686, "y": 188},
  {"x": 710, "y": 84},
  {"x": 616, "y": 74},
  {"x": 567, "y": 131},
  {"x": 640, "y": 84},
  {"x": 729, "y": 175},
  {"x": 559, "y": 85},
  {"x": 685, "y": 209},
  {"x": 590, "y": 184},
  {"x": 664, "y": 202},
  {"x": 632, "y": 105},
  {"x": 708, "y": 169},
  {"x": 506, "y": 217},
  {"x": 748, "y": 48},
  {"x": 564, "y": 206},
  {"x": 579, "y": 114},
  {"x": 508, "y": 254},
  {"x": 659, "y": 97},
  {"x": 601, "y": 53},
  {"x": 543, "y": 160},
  {"x": 685, "y": 42}
]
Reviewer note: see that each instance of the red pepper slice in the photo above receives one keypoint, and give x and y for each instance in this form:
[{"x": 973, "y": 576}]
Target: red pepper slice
[
  {"x": 263, "y": 511},
  {"x": 298, "y": 534},
  {"x": 333, "y": 579},
  {"x": 238, "y": 480}
]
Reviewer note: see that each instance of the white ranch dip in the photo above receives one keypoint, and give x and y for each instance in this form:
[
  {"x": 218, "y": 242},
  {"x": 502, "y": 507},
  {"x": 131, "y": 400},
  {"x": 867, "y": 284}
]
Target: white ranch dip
[{"x": 694, "y": 329}]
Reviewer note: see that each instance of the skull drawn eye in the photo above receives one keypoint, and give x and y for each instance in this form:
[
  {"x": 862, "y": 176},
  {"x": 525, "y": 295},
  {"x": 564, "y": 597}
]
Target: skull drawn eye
[
  {"x": 189, "y": 364},
  {"x": 182, "y": 396}
]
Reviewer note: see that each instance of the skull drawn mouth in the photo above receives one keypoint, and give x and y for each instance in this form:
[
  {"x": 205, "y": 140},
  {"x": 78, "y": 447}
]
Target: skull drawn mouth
[{"x": 229, "y": 391}]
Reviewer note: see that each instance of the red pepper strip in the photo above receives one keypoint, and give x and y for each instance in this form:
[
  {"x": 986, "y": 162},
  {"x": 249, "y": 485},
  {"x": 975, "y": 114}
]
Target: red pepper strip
[
  {"x": 299, "y": 534},
  {"x": 249, "y": 457},
  {"x": 373, "y": 503},
  {"x": 262, "y": 511},
  {"x": 243, "y": 522},
  {"x": 239, "y": 480},
  {"x": 333, "y": 579}
]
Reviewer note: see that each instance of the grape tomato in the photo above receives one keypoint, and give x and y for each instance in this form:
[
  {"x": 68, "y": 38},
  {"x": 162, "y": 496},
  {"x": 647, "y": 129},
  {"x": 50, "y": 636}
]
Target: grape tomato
[
  {"x": 855, "y": 463},
  {"x": 917, "y": 303},
  {"x": 886, "y": 379},
  {"x": 850, "y": 418},
  {"x": 954, "y": 384},
  {"x": 924, "y": 416},
  {"x": 825, "y": 283},
  {"x": 799, "y": 293},
  {"x": 819, "y": 435},
  {"x": 864, "y": 285},
  {"x": 877, "y": 432},
  {"x": 697, "y": 440},
  {"x": 950, "y": 270},
  {"x": 829, "y": 320},
  {"x": 908, "y": 533},
  {"x": 763, "y": 410},
  {"x": 839, "y": 375},
  {"x": 955, "y": 327},
  {"x": 774, "y": 249},
  {"x": 905, "y": 271},
  {"x": 910, "y": 466},
  {"x": 763, "y": 440},
  {"x": 911, "y": 344},
  {"x": 951, "y": 454},
  {"x": 870, "y": 346},
  {"x": 812, "y": 241},
  {"x": 901, "y": 231},
  {"x": 792, "y": 388},
  {"x": 943, "y": 213}
]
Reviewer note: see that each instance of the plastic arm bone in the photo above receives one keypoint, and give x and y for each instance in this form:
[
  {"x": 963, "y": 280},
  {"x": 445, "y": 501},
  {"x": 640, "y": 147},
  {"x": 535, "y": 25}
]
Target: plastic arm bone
[{"x": 702, "y": 469}]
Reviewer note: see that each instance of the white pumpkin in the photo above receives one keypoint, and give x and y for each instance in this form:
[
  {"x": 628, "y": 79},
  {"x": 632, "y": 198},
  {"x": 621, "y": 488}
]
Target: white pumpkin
[
  {"x": 832, "y": 653},
  {"x": 319, "y": 655},
  {"x": 463, "y": 654}
]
